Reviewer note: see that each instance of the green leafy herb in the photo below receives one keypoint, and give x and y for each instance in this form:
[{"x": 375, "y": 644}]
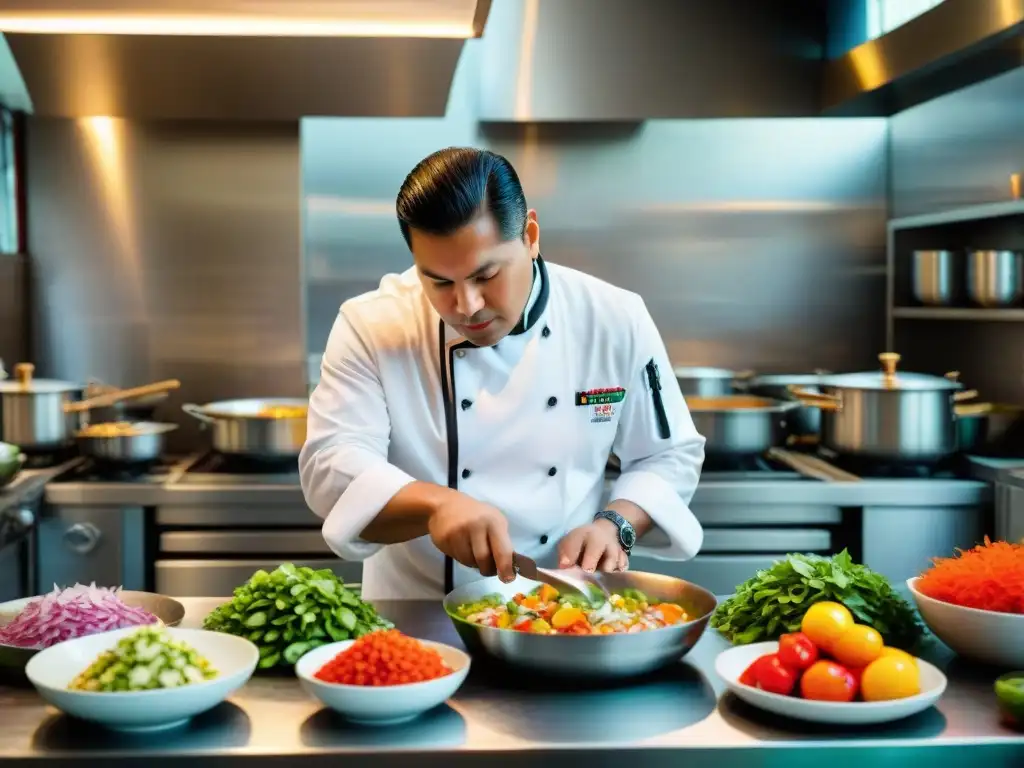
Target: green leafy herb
[
  {"x": 291, "y": 611},
  {"x": 774, "y": 601}
]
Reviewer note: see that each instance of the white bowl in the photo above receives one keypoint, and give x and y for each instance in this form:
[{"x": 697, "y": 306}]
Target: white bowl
[
  {"x": 987, "y": 636},
  {"x": 52, "y": 670},
  {"x": 731, "y": 664},
  {"x": 385, "y": 705}
]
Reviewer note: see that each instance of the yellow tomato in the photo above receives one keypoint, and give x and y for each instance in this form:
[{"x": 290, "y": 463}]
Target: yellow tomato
[
  {"x": 898, "y": 654},
  {"x": 824, "y": 623},
  {"x": 888, "y": 678},
  {"x": 858, "y": 646}
]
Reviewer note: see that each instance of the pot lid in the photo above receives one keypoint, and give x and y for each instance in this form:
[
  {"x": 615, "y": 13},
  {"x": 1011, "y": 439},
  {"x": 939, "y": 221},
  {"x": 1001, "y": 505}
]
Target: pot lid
[
  {"x": 24, "y": 383},
  {"x": 784, "y": 379},
  {"x": 699, "y": 372},
  {"x": 888, "y": 379}
]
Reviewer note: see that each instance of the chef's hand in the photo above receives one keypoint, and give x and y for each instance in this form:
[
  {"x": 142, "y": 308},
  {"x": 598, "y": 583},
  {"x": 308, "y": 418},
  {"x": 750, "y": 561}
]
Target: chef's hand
[
  {"x": 592, "y": 547},
  {"x": 473, "y": 533}
]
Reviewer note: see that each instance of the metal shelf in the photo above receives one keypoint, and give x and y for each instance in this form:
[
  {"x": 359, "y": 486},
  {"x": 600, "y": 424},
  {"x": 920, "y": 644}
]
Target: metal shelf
[
  {"x": 958, "y": 313},
  {"x": 971, "y": 213}
]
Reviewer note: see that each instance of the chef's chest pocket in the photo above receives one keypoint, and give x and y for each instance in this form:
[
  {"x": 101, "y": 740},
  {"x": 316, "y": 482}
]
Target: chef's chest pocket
[{"x": 597, "y": 413}]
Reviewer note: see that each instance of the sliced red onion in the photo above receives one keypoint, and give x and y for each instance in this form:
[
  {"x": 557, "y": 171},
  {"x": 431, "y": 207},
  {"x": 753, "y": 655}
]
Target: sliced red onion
[{"x": 64, "y": 614}]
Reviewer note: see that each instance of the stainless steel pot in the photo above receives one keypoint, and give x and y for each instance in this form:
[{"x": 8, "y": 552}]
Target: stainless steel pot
[
  {"x": 124, "y": 442},
  {"x": 885, "y": 416},
  {"x": 32, "y": 414},
  {"x": 251, "y": 428},
  {"x": 990, "y": 429},
  {"x": 994, "y": 278},
  {"x": 803, "y": 421},
  {"x": 136, "y": 409},
  {"x": 707, "y": 382},
  {"x": 933, "y": 281},
  {"x": 588, "y": 656},
  {"x": 740, "y": 425}
]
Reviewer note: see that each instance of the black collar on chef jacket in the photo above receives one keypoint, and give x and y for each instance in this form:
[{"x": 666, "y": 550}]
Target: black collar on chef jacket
[{"x": 531, "y": 314}]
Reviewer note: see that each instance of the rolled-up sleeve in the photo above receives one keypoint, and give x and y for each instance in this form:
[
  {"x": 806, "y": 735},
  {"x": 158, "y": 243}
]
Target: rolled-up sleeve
[
  {"x": 346, "y": 477},
  {"x": 659, "y": 471}
]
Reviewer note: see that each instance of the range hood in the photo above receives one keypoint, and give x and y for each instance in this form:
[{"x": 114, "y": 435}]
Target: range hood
[
  {"x": 625, "y": 60},
  {"x": 951, "y": 46},
  {"x": 608, "y": 60},
  {"x": 234, "y": 59}
]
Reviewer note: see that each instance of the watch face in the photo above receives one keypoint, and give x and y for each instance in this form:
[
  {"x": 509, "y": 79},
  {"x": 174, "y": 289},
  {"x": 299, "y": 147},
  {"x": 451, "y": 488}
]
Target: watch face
[{"x": 628, "y": 536}]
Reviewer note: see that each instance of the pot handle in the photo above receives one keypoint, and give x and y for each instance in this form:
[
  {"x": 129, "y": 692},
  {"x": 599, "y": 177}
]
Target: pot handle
[
  {"x": 967, "y": 394},
  {"x": 118, "y": 395},
  {"x": 816, "y": 399},
  {"x": 972, "y": 409},
  {"x": 196, "y": 412}
]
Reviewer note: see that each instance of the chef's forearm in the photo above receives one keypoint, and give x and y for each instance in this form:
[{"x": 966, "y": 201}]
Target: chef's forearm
[
  {"x": 636, "y": 516},
  {"x": 406, "y": 516}
]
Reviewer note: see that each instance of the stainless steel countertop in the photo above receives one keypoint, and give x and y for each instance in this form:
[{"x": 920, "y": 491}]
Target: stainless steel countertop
[
  {"x": 28, "y": 485},
  {"x": 509, "y": 721}
]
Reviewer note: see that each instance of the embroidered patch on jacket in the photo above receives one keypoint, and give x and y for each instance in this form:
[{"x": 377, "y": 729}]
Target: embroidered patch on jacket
[{"x": 602, "y": 401}]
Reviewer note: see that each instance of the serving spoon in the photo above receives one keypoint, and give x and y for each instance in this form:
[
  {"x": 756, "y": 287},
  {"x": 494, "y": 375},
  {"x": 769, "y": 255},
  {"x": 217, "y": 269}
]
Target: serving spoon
[{"x": 573, "y": 579}]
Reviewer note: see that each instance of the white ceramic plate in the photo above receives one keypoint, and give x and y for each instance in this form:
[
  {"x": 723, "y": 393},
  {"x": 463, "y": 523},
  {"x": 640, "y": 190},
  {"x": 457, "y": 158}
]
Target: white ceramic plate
[
  {"x": 385, "y": 705},
  {"x": 52, "y": 670},
  {"x": 986, "y": 636},
  {"x": 731, "y": 664}
]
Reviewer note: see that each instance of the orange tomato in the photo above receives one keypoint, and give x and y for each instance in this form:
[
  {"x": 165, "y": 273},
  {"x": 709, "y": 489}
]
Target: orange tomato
[
  {"x": 888, "y": 678},
  {"x": 825, "y": 622},
  {"x": 828, "y": 681},
  {"x": 858, "y": 646}
]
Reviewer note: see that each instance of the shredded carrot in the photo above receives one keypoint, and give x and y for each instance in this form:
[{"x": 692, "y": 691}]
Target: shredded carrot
[{"x": 989, "y": 577}]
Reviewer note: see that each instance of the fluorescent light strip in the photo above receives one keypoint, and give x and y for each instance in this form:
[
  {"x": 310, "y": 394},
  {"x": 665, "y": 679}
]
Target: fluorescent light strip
[{"x": 227, "y": 26}]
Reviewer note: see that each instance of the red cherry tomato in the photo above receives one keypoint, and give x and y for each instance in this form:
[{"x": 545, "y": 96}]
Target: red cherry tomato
[
  {"x": 774, "y": 676},
  {"x": 749, "y": 676},
  {"x": 797, "y": 651}
]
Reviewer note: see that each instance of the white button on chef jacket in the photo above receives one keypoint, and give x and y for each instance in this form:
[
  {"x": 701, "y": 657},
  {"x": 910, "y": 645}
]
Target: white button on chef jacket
[{"x": 526, "y": 425}]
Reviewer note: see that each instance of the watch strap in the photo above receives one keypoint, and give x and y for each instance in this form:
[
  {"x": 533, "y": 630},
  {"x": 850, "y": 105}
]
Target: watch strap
[{"x": 622, "y": 524}]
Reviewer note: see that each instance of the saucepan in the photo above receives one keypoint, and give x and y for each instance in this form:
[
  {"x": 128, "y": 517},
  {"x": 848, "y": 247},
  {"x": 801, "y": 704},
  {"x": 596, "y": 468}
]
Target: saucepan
[
  {"x": 255, "y": 428},
  {"x": 708, "y": 382},
  {"x": 888, "y": 416},
  {"x": 735, "y": 426},
  {"x": 588, "y": 656},
  {"x": 124, "y": 442}
]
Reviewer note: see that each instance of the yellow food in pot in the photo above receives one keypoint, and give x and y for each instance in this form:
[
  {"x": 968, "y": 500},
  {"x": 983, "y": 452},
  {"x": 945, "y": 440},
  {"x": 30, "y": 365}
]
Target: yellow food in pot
[{"x": 284, "y": 411}]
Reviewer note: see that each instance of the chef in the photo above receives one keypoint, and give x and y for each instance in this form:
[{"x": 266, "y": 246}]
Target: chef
[{"x": 467, "y": 408}]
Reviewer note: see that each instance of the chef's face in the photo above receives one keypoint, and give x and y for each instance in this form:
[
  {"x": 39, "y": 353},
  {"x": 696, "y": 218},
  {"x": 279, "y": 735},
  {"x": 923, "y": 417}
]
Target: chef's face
[{"x": 478, "y": 284}]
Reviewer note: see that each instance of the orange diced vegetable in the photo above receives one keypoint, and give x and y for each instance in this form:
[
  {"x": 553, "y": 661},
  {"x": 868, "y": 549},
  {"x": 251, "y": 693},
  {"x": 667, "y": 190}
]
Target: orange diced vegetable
[
  {"x": 670, "y": 611},
  {"x": 531, "y": 602},
  {"x": 566, "y": 617},
  {"x": 547, "y": 593}
]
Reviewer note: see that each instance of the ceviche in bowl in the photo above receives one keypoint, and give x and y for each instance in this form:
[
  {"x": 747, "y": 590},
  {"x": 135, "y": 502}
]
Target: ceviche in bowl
[
  {"x": 647, "y": 621},
  {"x": 545, "y": 611}
]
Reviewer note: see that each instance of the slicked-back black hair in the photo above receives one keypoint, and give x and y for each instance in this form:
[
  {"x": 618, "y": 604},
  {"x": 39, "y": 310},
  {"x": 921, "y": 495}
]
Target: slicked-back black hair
[{"x": 449, "y": 188}]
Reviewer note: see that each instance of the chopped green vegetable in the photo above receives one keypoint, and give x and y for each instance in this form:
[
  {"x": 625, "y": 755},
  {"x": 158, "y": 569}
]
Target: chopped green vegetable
[
  {"x": 774, "y": 601},
  {"x": 293, "y": 610},
  {"x": 148, "y": 658}
]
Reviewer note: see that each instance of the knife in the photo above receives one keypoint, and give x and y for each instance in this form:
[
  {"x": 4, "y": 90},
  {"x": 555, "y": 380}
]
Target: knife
[{"x": 573, "y": 579}]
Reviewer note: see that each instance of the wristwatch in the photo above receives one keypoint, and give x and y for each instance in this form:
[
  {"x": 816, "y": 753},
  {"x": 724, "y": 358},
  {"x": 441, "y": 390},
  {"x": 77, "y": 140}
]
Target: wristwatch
[{"x": 627, "y": 535}]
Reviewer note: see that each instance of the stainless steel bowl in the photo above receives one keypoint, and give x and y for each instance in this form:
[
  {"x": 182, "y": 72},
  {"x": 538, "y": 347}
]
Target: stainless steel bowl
[
  {"x": 590, "y": 656},
  {"x": 167, "y": 609},
  {"x": 933, "y": 282},
  {"x": 994, "y": 278}
]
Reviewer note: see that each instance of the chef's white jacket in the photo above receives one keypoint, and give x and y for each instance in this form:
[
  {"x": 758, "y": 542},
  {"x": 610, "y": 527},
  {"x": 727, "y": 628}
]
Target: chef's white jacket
[{"x": 523, "y": 425}]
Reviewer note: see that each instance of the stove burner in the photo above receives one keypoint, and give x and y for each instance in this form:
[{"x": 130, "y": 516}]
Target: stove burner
[
  {"x": 952, "y": 467},
  {"x": 47, "y": 459},
  {"x": 225, "y": 464}
]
